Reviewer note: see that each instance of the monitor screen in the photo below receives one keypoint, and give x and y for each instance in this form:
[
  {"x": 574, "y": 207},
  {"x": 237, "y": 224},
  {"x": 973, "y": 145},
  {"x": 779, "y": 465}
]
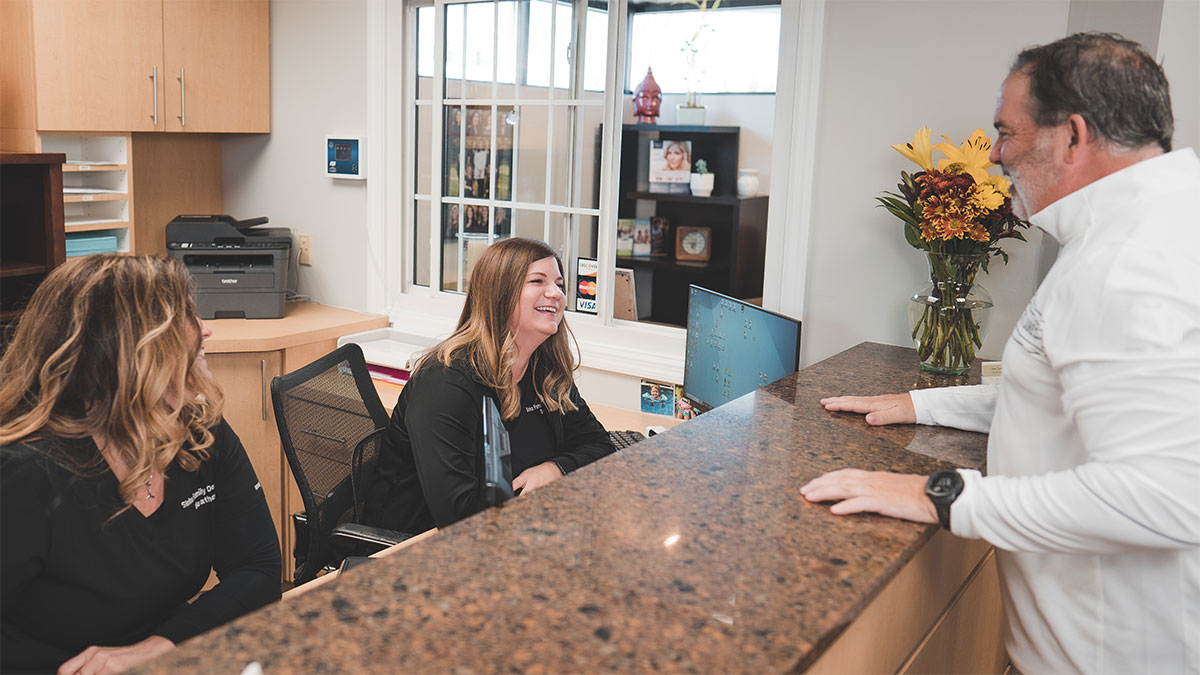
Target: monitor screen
[
  {"x": 497, "y": 471},
  {"x": 734, "y": 347}
]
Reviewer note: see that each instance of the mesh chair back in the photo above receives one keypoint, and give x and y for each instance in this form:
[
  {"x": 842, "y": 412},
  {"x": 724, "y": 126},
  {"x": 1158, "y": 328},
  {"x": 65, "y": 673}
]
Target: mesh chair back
[{"x": 323, "y": 411}]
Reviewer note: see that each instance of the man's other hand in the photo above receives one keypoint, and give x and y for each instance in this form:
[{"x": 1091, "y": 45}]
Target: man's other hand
[{"x": 880, "y": 410}]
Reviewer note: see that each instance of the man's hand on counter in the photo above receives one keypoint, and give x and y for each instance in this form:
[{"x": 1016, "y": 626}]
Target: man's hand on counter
[
  {"x": 885, "y": 409},
  {"x": 891, "y": 494}
]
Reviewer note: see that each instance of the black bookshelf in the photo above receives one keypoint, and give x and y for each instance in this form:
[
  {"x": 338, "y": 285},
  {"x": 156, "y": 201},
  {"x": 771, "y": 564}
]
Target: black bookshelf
[{"x": 739, "y": 225}]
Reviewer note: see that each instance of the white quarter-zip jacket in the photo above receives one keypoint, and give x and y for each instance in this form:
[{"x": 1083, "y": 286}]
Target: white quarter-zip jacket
[{"x": 1093, "y": 490}]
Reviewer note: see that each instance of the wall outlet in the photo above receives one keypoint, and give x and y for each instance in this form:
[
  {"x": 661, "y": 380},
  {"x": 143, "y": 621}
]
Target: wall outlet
[{"x": 304, "y": 257}]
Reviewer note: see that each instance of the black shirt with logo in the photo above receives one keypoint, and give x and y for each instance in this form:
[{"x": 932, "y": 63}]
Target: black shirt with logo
[
  {"x": 72, "y": 575},
  {"x": 431, "y": 463}
]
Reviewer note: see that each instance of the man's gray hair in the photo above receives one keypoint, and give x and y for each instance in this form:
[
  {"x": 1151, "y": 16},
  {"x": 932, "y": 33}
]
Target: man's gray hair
[{"x": 1118, "y": 89}]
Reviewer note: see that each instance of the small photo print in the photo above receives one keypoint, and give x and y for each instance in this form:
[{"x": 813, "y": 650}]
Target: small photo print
[
  {"x": 660, "y": 229},
  {"x": 670, "y": 161},
  {"x": 658, "y": 398},
  {"x": 683, "y": 407}
]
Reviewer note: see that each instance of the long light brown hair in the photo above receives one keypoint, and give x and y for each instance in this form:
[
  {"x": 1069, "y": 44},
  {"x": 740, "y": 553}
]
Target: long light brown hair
[
  {"x": 106, "y": 348},
  {"x": 484, "y": 338}
]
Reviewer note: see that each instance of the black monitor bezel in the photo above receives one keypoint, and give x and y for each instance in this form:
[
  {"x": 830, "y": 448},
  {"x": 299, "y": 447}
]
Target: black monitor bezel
[{"x": 704, "y": 406}]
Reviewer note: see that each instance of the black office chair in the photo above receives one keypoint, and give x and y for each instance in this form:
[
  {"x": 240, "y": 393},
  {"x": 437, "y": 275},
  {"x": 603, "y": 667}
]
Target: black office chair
[{"x": 331, "y": 424}]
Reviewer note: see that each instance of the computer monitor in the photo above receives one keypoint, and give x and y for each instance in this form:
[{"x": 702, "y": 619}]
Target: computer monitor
[{"x": 734, "y": 347}]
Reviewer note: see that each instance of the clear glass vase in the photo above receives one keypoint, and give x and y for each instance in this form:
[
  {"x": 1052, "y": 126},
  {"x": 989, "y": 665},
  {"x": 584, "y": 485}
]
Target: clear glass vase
[{"x": 949, "y": 316}]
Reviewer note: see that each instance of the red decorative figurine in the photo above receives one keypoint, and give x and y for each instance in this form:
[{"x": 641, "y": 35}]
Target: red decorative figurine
[{"x": 646, "y": 99}]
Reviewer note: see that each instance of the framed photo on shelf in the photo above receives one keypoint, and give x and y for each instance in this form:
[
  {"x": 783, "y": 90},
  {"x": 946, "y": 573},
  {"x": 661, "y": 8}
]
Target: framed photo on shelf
[
  {"x": 670, "y": 168},
  {"x": 641, "y": 237},
  {"x": 660, "y": 231},
  {"x": 625, "y": 236}
]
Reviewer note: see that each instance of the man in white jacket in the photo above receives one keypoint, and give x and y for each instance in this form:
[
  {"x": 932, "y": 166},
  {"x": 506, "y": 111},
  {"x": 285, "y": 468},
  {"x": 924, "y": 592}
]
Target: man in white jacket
[{"x": 1092, "y": 496}]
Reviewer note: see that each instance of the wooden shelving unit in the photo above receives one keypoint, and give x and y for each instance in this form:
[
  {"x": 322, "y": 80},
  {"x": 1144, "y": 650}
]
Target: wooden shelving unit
[
  {"x": 98, "y": 184},
  {"x": 739, "y": 225},
  {"x": 31, "y": 227}
]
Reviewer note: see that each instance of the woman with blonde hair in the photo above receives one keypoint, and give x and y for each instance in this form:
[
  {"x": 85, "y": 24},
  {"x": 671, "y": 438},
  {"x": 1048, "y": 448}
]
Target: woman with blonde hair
[
  {"x": 122, "y": 485},
  {"x": 512, "y": 345}
]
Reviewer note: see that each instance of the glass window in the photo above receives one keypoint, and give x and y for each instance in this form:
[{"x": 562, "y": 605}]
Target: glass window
[
  {"x": 736, "y": 49},
  {"x": 513, "y": 150}
]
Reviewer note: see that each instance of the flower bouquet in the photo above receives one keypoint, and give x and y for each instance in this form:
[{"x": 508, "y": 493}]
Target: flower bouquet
[{"x": 957, "y": 213}]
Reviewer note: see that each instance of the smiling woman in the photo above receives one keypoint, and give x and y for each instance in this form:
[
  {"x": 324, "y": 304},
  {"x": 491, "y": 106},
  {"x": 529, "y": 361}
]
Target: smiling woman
[
  {"x": 512, "y": 345},
  {"x": 122, "y": 485}
]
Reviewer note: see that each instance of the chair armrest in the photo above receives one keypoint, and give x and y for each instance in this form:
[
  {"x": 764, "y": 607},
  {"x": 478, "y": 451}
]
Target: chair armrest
[{"x": 359, "y": 536}]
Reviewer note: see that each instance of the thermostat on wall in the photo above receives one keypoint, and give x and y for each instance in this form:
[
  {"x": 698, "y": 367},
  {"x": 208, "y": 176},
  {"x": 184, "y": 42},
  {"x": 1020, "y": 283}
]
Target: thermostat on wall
[{"x": 344, "y": 158}]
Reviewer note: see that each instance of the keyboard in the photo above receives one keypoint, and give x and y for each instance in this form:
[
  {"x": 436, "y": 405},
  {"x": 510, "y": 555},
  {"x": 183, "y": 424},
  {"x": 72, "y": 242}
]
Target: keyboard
[{"x": 624, "y": 439}]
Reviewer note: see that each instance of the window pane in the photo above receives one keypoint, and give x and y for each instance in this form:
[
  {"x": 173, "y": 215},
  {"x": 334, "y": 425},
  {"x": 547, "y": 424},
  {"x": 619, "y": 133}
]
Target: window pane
[
  {"x": 530, "y": 224},
  {"x": 421, "y": 244},
  {"x": 454, "y": 51},
  {"x": 506, "y": 121},
  {"x": 452, "y": 160},
  {"x": 589, "y": 148},
  {"x": 541, "y": 52},
  {"x": 477, "y": 168},
  {"x": 529, "y": 168},
  {"x": 737, "y": 50},
  {"x": 424, "y": 51},
  {"x": 507, "y": 38},
  {"x": 424, "y": 149},
  {"x": 595, "y": 57},
  {"x": 481, "y": 42},
  {"x": 562, "y": 173}
]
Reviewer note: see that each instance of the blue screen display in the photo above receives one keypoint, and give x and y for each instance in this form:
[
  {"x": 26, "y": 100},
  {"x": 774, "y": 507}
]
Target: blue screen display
[{"x": 734, "y": 347}]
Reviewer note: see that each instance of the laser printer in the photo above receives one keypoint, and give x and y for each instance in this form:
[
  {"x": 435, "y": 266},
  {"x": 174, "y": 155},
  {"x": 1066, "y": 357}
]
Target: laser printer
[{"x": 240, "y": 270}]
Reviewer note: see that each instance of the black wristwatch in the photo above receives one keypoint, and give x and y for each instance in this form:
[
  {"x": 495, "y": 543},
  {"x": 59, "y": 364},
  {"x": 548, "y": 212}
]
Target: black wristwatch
[{"x": 943, "y": 488}]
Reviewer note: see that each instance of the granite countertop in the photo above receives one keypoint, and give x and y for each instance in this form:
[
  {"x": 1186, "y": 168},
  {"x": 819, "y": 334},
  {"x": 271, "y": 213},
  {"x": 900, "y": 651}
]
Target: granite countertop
[{"x": 691, "y": 551}]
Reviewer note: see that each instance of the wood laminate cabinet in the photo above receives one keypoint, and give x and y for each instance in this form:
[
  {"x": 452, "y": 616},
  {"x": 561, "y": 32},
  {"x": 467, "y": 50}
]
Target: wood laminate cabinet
[
  {"x": 244, "y": 355},
  {"x": 137, "y": 65}
]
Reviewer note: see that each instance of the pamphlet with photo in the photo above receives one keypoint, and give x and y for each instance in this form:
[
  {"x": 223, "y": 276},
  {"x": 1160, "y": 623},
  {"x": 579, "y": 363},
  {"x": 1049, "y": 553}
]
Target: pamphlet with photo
[{"x": 670, "y": 166}]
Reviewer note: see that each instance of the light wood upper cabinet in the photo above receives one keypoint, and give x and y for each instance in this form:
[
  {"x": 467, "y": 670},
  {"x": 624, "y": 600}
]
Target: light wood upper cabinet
[
  {"x": 217, "y": 59},
  {"x": 141, "y": 65},
  {"x": 94, "y": 63}
]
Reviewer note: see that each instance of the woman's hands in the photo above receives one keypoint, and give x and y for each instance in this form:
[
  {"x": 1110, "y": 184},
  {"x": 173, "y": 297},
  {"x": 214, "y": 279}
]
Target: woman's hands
[
  {"x": 880, "y": 410},
  {"x": 537, "y": 476},
  {"x": 115, "y": 659}
]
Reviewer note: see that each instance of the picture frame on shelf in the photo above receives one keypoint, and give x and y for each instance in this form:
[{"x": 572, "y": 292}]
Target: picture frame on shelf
[
  {"x": 660, "y": 232},
  {"x": 641, "y": 237},
  {"x": 670, "y": 166}
]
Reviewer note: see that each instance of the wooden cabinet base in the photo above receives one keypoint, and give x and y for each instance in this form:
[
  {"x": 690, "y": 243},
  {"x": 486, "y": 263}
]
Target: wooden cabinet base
[{"x": 940, "y": 614}]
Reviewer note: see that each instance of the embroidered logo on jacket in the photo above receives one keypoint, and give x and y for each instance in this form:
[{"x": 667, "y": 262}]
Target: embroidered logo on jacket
[{"x": 1028, "y": 333}]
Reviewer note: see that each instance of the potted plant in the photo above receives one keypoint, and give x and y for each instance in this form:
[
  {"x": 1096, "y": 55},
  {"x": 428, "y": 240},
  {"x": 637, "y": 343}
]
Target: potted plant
[
  {"x": 702, "y": 180},
  {"x": 691, "y": 112}
]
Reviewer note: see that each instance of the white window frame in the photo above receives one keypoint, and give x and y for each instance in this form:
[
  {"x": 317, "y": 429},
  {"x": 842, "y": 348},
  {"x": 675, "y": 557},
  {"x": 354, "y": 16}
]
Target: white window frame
[{"x": 625, "y": 347}]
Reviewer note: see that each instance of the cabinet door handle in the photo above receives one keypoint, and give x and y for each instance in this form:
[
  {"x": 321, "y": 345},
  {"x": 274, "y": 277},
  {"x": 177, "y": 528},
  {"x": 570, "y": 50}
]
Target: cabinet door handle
[
  {"x": 264, "y": 389},
  {"x": 154, "y": 93},
  {"x": 183, "y": 102}
]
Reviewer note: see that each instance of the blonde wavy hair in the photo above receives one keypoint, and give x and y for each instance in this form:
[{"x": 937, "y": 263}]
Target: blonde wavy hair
[
  {"x": 484, "y": 339},
  {"x": 107, "y": 348}
]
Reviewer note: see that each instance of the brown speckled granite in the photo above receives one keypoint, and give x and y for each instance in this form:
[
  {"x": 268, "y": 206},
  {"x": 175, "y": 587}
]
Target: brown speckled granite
[{"x": 691, "y": 551}]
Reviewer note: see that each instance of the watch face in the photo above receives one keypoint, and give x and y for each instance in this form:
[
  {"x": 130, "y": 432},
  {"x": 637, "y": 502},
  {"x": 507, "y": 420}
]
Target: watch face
[
  {"x": 944, "y": 484},
  {"x": 693, "y": 243}
]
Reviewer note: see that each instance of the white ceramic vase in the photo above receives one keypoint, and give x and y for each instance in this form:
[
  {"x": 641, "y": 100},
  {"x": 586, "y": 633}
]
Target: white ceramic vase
[
  {"x": 747, "y": 183},
  {"x": 702, "y": 184}
]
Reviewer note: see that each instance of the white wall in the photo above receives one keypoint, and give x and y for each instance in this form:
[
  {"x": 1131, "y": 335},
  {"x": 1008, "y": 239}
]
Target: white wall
[
  {"x": 318, "y": 89},
  {"x": 888, "y": 68},
  {"x": 1179, "y": 52}
]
